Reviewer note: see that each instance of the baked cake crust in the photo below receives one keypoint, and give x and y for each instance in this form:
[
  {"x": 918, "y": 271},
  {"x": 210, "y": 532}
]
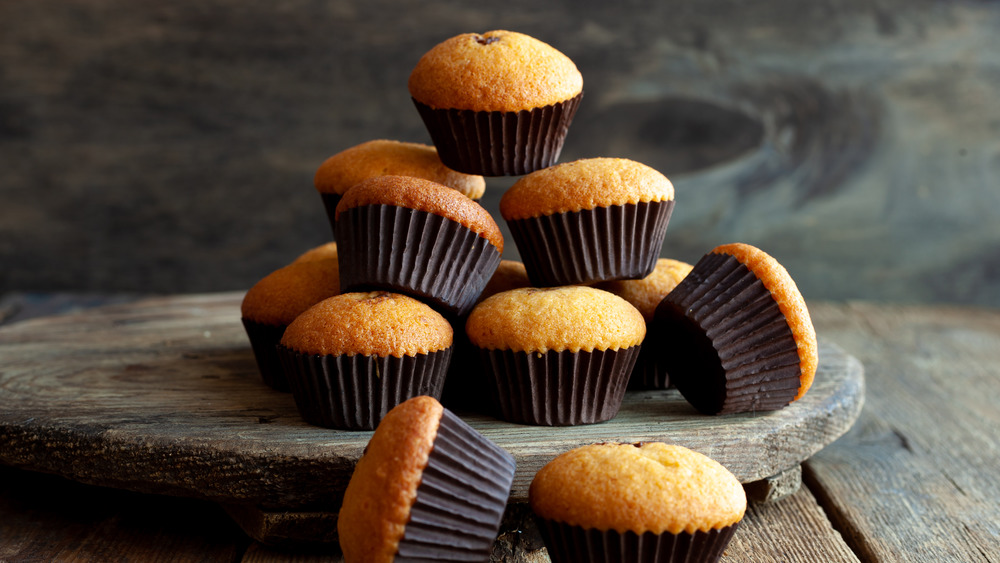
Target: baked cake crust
[
  {"x": 382, "y": 157},
  {"x": 649, "y": 487},
  {"x": 285, "y": 293},
  {"x": 372, "y": 324},
  {"x": 383, "y": 488},
  {"x": 555, "y": 319},
  {"x": 584, "y": 184},
  {"x": 498, "y": 70}
]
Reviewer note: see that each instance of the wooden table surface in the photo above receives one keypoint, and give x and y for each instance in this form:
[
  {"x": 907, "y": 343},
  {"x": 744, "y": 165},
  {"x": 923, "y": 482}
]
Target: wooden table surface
[{"x": 914, "y": 480}]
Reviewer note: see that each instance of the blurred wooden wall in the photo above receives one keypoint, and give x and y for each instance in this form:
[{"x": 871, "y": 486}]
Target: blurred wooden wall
[{"x": 170, "y": 147}]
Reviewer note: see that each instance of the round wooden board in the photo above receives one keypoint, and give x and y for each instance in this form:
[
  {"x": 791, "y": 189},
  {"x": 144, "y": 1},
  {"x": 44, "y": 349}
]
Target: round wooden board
[{"x": 163, "y": 396}]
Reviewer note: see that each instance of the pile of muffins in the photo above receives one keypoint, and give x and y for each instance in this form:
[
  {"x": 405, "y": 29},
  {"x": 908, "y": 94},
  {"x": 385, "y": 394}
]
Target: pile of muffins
[{"x": 413, "y": 306}]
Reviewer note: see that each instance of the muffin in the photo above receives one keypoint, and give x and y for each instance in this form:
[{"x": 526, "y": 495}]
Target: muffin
[
  {"x": 556, "y": 356},
  {"x": 384, "y": 157},
  {"x": 648, "y": 502},
  {"x": 416, "y": 237},
  {"x": 735, "y": 335},
  {"x": 466, "y": 387},
  {"x": 321, "y": 252},
  {"x": 498, "y": 103},
  {"x": 351, "y": 358},
  {"x": 273, "y": 303},
  {"x": 428, "y": 488},
  {"x": 590, "y": 220},
  {"x": 645, "y": 295}
]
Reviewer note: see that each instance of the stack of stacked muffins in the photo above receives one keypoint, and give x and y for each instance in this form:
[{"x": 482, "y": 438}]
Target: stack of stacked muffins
[{"x": 413, "y": 304}]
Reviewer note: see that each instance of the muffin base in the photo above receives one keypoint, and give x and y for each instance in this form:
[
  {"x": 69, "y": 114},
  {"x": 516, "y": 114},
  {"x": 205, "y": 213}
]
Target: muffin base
[
  {"x": 264, "y": 340},
  {"x": 558, "y": 388},
  {"x": 725, "y": 342},
  {"x": 592, "y": 245},
  {"x": 575, "y": 544},
  {"x": 494, "y": 143},
  {"x": 355, "y": 392},
  {"x": 461, "y": 497},
  {"x": 414, "y": 252}
]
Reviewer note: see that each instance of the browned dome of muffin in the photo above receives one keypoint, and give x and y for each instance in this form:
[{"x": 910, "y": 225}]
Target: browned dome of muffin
[
  {"x": 285, "y": 293},
  {"x": 385, "y": 157},
  {"x": 649, "y": 487},
  {"x": 498, "y": 70},
  {"x": 372, "y": 324},
  {"x": 584, "y": 184},
  {"x": 427, "y": 196},
  {"x": 570, "y": 318},
  {"x": 384, "y": 485}
]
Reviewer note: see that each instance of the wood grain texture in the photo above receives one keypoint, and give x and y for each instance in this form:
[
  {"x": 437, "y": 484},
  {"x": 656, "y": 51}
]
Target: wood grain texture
[
  {"x": 857, "y": 142},
  {"x": 916, "y": 478},
  {"x": 163, "y": 396},
  {"x": 47, "y": 518}
]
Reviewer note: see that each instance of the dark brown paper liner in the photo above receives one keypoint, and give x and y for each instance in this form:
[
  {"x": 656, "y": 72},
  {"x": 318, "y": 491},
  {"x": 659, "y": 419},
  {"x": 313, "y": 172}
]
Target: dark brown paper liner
[
  {"x": 600, "y": 244},
  {"x": 725, "y": 342},
  {"x": 467, "y": 390},
  {"x": 264, "y": 340},
  {"x": 649, "y": 372},
  {"x": 461, "y": 497},
  {"x": 494, "y": 143},
  {"x": 574, "y": 544},
  {"x": 559, "y": 388},
  {"x": 416, "y": 253},
  {"x": 330, "y": 201},
  {"x": 355, "y": 392}
]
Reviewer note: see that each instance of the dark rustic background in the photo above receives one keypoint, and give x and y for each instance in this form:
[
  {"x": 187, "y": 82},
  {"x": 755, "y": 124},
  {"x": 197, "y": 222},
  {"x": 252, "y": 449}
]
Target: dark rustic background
[{"x": 171, "y": 148}]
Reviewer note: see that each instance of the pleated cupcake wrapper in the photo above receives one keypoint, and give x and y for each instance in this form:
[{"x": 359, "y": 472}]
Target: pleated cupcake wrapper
[
  {"x": 574, "y": 544},
  {"x": 461, "y": 497},
  {"x": 600, "y": 244},
  {"x": 494, "y": 143},
  {"x": 330, "y": 201},
  {"x": 648, "y": 373},
  {"x": 726, "y": 307},
  {"x": 416, "y": 253},
  {"x": 264, "y": 340},
  {"x": 466, "y": 389},
  {"x": 559, "y": 388},
  {"x": 355, "y": 392}
]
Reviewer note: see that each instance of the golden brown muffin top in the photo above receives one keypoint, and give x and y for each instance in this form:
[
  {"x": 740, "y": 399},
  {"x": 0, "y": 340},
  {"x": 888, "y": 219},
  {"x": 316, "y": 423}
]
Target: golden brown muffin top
[
  {"x": 510, "y": 274},
  {"x": 383, "y": 488},
  {"x": 495, "y": 71},
  {"x": 650, "y": 487},
  {"x": 286, "y": 292},
  {"x": 570, "y": 318},
  {"x": 776, "y": 279},
  {"x": 423, "y": 195},
  {"x": 584, "y": 184},
  {"x": 384, "y": 157},
  {"x": 646, "y": 294},
  {"x": 372, "y": 324},
  {"x": 321, "y": 252}
]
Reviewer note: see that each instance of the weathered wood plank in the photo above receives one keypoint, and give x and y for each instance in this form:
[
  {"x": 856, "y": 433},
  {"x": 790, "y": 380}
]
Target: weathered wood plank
[
  {"x": 47, "y": 518},
  {"x": 792, "y": 529},
  {"x": 163, "y": 396},
  {"x": 916, "y": 479}
]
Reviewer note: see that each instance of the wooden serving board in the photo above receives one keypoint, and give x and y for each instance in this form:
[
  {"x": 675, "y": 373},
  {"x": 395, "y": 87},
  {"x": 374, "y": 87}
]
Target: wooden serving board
[{"x": 163, "y": 396}]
